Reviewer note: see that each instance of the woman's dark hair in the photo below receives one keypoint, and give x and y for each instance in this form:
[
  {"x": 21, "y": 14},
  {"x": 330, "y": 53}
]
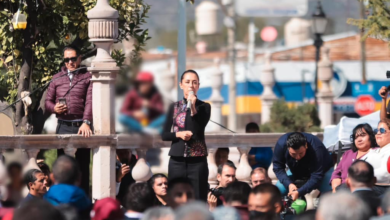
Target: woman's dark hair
[
  {"x": 189, "y": 71},
  {"x": 358, "y": 129},
  {"x": 46, "y": 170},
  {"x": 154, "y": 177}
]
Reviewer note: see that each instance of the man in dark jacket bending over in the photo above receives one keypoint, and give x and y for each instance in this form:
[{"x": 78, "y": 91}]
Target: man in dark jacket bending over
[{"x": 308, "y": 161}]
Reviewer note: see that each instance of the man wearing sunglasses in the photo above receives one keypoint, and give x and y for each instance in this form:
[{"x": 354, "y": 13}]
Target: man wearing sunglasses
[{"x": 69, "y": 96}]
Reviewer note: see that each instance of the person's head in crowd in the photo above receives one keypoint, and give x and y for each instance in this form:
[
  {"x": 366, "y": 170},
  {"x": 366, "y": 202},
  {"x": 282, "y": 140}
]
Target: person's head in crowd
[
  {"x": 342, "y": 206},
  {"x": 139, "y": 197},
  {"x": 46, "y": 170},
  {"x": 384, "y": 209},
  {"x": 221, "y": 156},
  {"x": 222, "y": 212},
  {"x": 159, "y": 183},
  {"x": 180, "y": 192},
  {"x": 226, "y": 174},
  {"x": 144, "y": 83},
  {"x": 159, "y": 213},
  {"x": 69, "y": 212},
  {"x": 66, "y": 176},
  {"x": 263, "y": 216},
  {"x": 236, "y": 194},
  {"x": 360, "y": 175},
  {"x": 194, "y": 211},
  {"x": 107, "y": 209},
  {"x": 265, "y": 198},
  {"x": 37, "y": 209},
  {"x": 72, "y": 58},
  {"x": 382, "y": 133},
  {"x": 189, "y": 82},
  {"x": 308, "y": 215},
  {"x": 14, "y": 170},
  {"x": 66, "y": 171},
  {"x": 252, "y": 128},
  {"x": 35, "y": 181},
  {"x": 123, "y": 155},
  {"x": 259, "y": 176},
  {"x": 363, "y": 138},
  {"x": 297, "y": 145}
]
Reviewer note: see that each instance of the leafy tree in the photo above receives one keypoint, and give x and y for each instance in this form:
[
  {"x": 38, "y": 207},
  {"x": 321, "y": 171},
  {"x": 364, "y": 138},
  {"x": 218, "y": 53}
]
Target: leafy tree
[
  {"x": 30, "y": 57},
  {"x": 302, "y": 118},
  {"x": 377, "y": 22}
]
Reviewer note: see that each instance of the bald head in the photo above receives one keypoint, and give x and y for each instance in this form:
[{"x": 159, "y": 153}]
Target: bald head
[
  {"x": 66, "y": 170},
  {"x": 361, "y": 174}
]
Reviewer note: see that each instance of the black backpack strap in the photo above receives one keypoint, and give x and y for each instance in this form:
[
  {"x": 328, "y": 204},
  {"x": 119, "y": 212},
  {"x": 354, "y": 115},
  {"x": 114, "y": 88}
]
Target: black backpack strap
[{"x": 339, "y": 152}]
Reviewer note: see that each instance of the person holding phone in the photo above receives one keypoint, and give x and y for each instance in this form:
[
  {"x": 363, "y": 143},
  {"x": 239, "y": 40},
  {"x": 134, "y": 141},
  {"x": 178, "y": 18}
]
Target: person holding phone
[
  {"x": 69, "y": 96},
  {"x": 185, "y": 126},
  {"x": 385, "y": 108}
]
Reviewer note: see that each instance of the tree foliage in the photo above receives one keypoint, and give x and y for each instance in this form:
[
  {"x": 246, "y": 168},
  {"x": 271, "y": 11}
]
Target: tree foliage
[
  {"x": 29, "y": 58},
  {"x": 59, "y": 23},
  {"x": 302, "y": 118},
  {"x": 377, "y": 23}
]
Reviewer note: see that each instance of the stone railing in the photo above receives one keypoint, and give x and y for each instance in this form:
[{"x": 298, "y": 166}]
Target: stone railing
[{"x": 103, "y": 180}]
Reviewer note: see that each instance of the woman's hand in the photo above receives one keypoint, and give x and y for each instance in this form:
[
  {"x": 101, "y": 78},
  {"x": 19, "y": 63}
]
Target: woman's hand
[
  {"x": 185, "y": 135},
  {"x": 383, "y": 92},
  {"x": 335, "y": 183}
]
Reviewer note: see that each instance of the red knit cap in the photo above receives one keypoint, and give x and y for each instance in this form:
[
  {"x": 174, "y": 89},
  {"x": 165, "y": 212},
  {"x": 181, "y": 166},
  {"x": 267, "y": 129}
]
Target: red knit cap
[
  {"x": 145, "y": 77},
  {"x": 107, "y": 209}
]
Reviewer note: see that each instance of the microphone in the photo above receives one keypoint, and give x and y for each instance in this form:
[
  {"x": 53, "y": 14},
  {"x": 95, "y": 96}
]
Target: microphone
[{"x": 189, "y": 104}]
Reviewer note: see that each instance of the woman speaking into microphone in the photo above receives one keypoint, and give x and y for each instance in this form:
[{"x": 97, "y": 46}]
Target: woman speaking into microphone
[{"x": 185, "y": 126}]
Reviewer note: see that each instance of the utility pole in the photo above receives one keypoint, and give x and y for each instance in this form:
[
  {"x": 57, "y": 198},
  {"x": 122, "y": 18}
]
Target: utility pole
[
  {"x": 363, "y": 44},
  {"x": 182, "y": 45},
  {"x": 252, "y": 38},
  {"x": 232, "y": 122}
]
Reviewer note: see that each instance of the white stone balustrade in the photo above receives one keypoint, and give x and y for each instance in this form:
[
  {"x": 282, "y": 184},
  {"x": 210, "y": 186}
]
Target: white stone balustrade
[
  {"x": 32, "y": 154},
  {"x": 216, "y": 98},
  {"x": 104, "y": 152},
  {"x": 141, "y": 171},
  {"x": 213, "y": 169},
  {"x": 268, "y": 97},
  {"x": 325, "y": 95},
  {"x": 168, "y": 85},
  {"x": 103, "y": 32},
  {"x": 244, "y": 170}
]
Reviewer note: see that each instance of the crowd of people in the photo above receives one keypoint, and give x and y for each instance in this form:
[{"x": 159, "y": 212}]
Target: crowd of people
[{"x": 356, "y": 187}]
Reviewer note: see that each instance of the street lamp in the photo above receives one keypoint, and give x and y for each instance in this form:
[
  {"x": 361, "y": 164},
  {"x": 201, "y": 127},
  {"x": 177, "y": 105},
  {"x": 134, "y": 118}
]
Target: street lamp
[{"x": 318, "y": 26}]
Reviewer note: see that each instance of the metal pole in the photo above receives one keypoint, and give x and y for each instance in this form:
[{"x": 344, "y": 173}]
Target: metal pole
[
  {"x": 232, "y": 65},
  {"x": 363, "y": 45},
  {"x": 316, "y": 76},
  {"x": 182, "y": 45},
  {"x": 252, "y": 38},
  {"x": 317, "y": 43}
]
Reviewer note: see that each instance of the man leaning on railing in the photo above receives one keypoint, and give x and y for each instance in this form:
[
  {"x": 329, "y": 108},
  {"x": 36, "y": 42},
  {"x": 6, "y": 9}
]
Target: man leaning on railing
[{"x": 69, "y": 96}]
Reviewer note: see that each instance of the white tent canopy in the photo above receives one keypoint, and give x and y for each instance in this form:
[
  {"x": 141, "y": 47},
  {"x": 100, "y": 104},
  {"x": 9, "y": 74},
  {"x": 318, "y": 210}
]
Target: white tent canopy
[{"x": 342, "y": 132}]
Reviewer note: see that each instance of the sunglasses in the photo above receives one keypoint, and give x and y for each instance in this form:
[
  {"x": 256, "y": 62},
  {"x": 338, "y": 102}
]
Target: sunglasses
[
  {"x": 381, "y": 131},
  {"x": 73, "y": 59}
]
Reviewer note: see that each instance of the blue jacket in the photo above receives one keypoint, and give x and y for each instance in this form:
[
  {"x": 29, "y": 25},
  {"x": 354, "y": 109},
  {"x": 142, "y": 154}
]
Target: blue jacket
[
  {"x": 68, "y": 194},
  {"x": 312, "y": 166}
]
